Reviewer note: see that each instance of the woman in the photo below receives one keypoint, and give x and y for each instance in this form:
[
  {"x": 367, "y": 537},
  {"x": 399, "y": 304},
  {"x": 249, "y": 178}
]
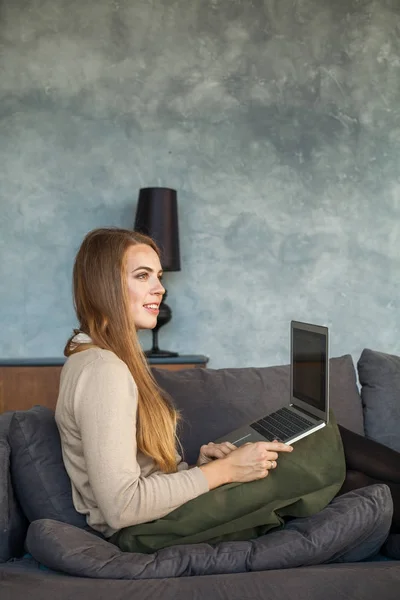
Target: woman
[
  {"x": 118, "y": 432},
  {"x": 115, "y": 439}
]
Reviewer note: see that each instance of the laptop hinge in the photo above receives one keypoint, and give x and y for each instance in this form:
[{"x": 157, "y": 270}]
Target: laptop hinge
[{"x": 302, "y": 410}]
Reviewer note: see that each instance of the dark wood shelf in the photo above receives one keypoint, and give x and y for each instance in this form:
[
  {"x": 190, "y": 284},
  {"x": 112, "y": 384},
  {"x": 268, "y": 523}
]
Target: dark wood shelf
[{"x": 26, "y": 382}]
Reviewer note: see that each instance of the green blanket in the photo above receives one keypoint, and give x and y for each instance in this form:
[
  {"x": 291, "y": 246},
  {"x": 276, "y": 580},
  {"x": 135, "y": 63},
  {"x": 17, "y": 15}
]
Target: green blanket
[{"x": 303, "y": 483}]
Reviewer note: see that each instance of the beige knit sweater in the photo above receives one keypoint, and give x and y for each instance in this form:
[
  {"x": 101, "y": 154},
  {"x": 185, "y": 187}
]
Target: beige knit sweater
[{"x": 113, "y": 484}]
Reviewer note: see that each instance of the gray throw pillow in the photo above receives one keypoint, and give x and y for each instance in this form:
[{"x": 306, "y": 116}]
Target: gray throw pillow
[
  {"x": 379, "y": 375},
  {"x": 213, "y": 402},
  {"x": 351, "y": 528},
  {"x": 13, "y": 523},
  {"x": 39, "y": 478}
]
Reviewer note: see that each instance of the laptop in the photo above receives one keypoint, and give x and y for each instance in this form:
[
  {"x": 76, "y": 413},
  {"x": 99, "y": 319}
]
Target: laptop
[{"x": 308, "y": 408}]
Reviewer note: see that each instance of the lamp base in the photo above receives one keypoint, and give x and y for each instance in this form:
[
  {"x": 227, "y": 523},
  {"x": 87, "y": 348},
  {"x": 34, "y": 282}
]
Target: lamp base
[
  {"x": 164, "y": 317},
  {"x": 156, "y": 353}
]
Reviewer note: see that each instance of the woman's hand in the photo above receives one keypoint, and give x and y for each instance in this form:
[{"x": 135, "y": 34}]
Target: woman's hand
[
  {"x": 254, "y": 460},
  {"x": 249, "y": 462},
  {"x": 211, "y": 451}
]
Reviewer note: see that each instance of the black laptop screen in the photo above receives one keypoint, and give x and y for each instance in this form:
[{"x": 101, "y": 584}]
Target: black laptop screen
[{"x": 309, "y": 365}]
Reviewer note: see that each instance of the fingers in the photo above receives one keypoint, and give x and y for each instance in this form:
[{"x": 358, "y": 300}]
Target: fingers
[
  {"x": 220, "y": 452},
  {"x": 225, "y": 447},
  {"x": 270, "y": 460},
  {"x": 276, "y": 446},
  {"x": 272, "y": 456},
  {"x": 265, "y": 467},
  {"x": 213, "y": 450},
  {"x": 229, "y": 445},
  {"x": 270, "y": 464}
]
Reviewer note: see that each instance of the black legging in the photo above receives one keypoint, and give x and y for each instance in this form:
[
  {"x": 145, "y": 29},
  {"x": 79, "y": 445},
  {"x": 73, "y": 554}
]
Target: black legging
[{"x": 369, "y": 462}]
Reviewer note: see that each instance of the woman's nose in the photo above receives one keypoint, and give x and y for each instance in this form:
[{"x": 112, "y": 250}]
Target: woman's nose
[{"x": 159, "y": 288}]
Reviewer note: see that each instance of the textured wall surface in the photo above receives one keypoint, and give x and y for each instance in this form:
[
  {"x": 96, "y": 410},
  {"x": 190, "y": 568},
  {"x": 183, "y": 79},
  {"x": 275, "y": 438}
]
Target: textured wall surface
[{"x": 278, "y": 122}]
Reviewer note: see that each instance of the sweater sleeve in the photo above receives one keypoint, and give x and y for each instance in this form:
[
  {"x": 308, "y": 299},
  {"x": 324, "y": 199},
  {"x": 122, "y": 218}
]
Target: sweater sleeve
[{"x": 105, "y": 407}]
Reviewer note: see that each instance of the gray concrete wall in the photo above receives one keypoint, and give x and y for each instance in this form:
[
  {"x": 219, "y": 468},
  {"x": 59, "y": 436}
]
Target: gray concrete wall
[{"x": 277, "y": 121}]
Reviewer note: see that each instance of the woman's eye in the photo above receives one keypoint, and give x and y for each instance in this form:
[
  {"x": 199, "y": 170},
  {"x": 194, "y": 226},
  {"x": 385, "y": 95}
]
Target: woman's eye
[{"x": 143, "y": 276}]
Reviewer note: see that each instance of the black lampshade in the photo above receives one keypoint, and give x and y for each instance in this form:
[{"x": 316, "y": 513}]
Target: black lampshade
[{"x": 157, "y": 217}]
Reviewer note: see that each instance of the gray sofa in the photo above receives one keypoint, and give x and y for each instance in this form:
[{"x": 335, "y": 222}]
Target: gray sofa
[{"x": 47, "y": 550}]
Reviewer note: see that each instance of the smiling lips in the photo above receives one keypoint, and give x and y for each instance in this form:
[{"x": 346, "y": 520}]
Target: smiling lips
[{"x": 152, "y": 308}]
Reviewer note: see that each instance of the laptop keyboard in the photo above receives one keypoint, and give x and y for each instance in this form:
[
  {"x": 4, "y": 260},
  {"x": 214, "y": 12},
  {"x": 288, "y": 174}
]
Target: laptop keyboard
[{"x": 281, "y": 425}]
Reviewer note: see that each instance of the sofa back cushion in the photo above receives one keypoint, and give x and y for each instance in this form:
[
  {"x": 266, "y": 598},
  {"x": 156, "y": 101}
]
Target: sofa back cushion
[
  {"x": 379, "y": 375},
  {"x": 39, "y": 478},
  {"x": 214, "y": 402},
  {"x": 13, "y": 524}
]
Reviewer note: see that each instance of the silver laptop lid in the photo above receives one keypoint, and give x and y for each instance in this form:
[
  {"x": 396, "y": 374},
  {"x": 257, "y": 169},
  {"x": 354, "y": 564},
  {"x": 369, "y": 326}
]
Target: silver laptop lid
[{"x": 309, "y": 369}]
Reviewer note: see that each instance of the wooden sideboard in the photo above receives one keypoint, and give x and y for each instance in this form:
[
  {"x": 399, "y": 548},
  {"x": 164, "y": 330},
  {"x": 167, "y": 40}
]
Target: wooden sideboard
[{"x": 27, "y": 382}]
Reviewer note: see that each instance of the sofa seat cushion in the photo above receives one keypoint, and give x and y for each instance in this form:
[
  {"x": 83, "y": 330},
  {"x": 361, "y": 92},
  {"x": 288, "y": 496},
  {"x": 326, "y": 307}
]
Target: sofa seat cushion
[
  {"x": 214, "y": 402},
  {"x": 351, "y": 528},
  {"x": 379, "y": 375},
  {"x": 39, "y": 478}
]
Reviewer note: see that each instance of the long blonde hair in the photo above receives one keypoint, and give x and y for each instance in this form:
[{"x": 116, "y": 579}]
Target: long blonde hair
[{"x": 102, "y": 307}]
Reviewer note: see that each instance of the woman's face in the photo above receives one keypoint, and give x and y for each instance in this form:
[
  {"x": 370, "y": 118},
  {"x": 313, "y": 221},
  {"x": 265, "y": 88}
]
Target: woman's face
[{"x": 144, "y": 285}]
